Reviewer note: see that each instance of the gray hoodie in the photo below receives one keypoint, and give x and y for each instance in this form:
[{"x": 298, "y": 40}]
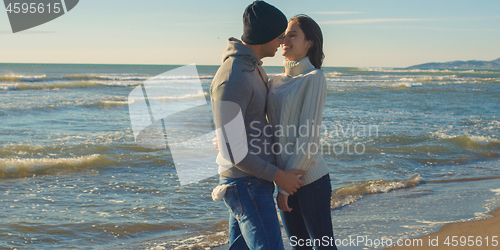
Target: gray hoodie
[{"x": 241, "y": 80}]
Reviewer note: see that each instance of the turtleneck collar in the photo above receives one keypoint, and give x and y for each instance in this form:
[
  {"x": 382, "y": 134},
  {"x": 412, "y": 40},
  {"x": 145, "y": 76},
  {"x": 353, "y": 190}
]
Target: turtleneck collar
[{"x": 294, "y": 68}]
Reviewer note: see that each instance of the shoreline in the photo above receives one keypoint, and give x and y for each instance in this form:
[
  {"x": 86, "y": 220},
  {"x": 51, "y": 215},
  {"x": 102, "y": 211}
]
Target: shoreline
[
  {"x": 469, "y": 234},
  {"x": 489, "y": 227}
]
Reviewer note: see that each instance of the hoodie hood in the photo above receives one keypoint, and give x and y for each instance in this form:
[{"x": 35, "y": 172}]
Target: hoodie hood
[{"x": 240, "y": 52}]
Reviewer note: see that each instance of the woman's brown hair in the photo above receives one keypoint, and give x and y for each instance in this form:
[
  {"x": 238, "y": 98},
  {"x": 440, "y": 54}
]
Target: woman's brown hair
[{"x": 313, "y": 33}]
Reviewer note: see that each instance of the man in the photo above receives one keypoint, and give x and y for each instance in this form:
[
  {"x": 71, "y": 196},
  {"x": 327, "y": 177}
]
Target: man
[{"x": 241, "y": 80}]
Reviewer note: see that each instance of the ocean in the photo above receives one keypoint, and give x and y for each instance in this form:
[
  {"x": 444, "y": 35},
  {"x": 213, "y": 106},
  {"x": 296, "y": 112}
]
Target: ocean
[{"x": 408, "y": 150}]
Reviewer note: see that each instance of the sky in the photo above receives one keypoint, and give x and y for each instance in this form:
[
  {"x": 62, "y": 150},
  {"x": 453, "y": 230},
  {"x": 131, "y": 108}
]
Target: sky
[{"x": 369, "y": 33}]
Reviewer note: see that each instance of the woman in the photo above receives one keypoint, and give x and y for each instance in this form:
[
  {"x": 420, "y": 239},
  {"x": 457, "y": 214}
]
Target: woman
[{"x": 295, "y": 108}]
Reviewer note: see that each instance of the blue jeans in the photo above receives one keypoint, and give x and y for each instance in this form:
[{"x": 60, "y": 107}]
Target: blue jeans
[
  {"x": 253, "y": 221},
  {"x": 310, "y": 218}
]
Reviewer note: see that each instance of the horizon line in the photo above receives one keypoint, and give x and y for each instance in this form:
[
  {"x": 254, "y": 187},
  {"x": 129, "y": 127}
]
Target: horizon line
[{"x": 180, "y": 65}]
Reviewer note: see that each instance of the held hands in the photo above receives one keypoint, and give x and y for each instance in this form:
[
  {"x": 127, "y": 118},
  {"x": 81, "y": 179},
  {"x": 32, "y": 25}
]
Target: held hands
[
  {"x": 282, "y": 198},
  {"x": 288, "y": 180},
  {"x": 215, "y": 143},
  {"x": 282, "y": 201}
]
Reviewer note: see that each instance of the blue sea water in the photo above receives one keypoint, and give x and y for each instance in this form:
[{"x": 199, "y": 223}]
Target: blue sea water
[{"x": 408, "y": 150}]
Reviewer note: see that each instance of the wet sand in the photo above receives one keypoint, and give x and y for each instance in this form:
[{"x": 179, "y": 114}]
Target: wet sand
[
  {"x": 481, "y": 234},
  {"x": 286, "y": 243}
]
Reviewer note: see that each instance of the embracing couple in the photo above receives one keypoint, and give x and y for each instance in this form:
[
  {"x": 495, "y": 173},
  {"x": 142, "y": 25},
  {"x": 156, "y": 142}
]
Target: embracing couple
[{"x": 279, "y": 136}]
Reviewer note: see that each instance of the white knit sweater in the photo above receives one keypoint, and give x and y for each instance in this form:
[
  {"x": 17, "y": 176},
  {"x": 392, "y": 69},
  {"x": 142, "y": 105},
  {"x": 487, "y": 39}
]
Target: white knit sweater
[{"x": 295, "y": 108}]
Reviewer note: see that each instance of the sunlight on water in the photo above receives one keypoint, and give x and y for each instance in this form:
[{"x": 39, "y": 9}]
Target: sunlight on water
[{"x": 397, "y": 141}]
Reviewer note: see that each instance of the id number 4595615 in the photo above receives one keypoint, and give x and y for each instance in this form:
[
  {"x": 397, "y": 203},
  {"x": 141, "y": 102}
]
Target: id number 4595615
[
  {"x": 33, "y": 8},
  {"x": 471, "y": 241}
]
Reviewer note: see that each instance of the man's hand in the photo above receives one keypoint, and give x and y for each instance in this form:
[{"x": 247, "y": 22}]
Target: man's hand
[
  {"x": 215, "y": 143},
  {"x": 288, "y": 180},
  {"x": 282, "y": 201}
]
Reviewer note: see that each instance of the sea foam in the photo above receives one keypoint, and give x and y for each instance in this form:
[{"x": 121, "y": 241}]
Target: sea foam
[
  {"x": 349, "y": 194},
  {"x": 24, "y": 167}
]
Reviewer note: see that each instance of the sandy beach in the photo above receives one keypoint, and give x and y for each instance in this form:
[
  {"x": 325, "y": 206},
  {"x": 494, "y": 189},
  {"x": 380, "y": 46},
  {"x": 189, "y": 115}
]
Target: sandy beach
[
  {"x": 478, "y": 235},
  {"x": 481, "y": 234},
  {"x": 286, "y": 243}
]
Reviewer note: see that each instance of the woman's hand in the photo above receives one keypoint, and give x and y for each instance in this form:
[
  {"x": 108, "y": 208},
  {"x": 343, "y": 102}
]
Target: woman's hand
[
  {"x": 282, "y": 201},
  {"x": 215, "y": 143}
]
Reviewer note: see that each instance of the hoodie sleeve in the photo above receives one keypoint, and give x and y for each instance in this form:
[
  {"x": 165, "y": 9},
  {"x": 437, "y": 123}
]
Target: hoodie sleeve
[{"x": 241, "y": 95}]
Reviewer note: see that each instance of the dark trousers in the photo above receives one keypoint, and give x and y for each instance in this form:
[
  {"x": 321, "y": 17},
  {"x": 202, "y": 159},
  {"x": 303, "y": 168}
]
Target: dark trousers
[{"x": 310, "y": 219}]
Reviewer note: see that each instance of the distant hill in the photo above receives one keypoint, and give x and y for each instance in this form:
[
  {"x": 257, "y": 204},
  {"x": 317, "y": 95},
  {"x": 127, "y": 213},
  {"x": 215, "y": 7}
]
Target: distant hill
[{"x": 472, "y": 64}]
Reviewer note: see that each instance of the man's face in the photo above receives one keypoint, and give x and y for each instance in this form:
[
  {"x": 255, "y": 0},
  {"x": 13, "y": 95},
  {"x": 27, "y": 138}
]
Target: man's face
[{"x": 269, "y": 49}]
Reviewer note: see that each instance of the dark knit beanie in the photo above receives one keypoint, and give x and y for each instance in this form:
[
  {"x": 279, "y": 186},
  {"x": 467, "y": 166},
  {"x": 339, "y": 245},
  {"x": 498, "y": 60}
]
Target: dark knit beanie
[{"x": 262, "y": 23}]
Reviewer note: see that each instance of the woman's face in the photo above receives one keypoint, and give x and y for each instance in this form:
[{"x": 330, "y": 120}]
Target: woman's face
[{"x": 295, "y": 45}]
